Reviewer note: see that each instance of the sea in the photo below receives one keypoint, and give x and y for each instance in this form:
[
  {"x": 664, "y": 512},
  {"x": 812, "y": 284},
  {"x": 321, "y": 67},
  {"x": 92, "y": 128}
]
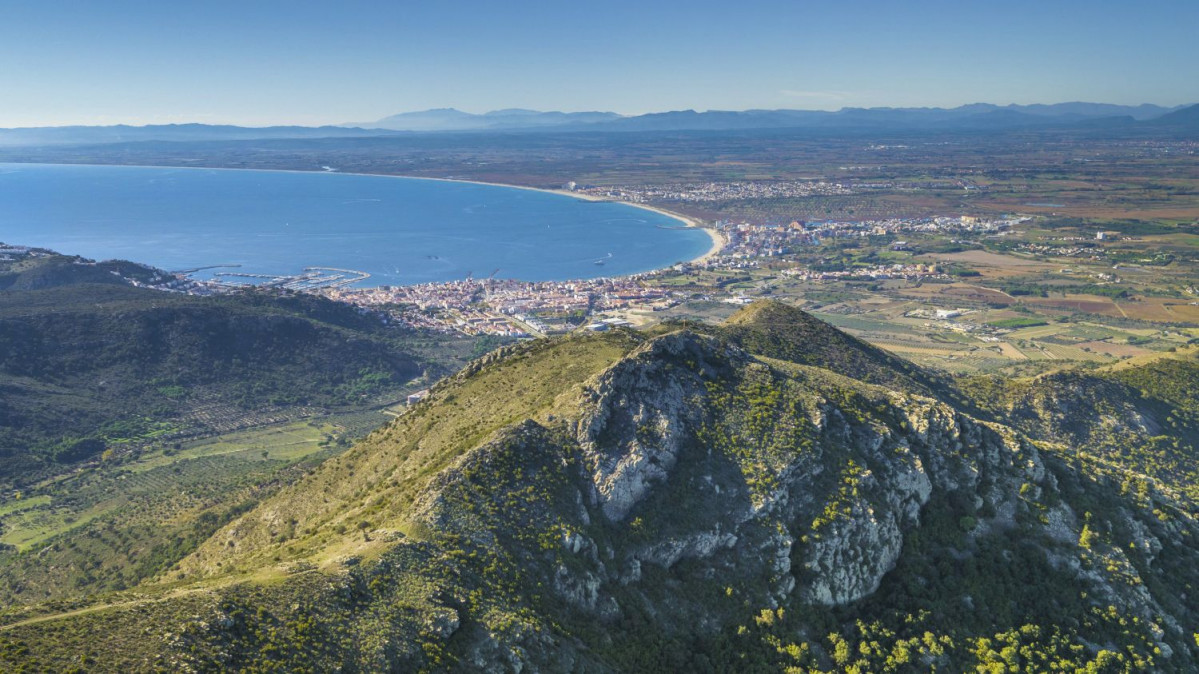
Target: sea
[{"x": 401, "y": 231}]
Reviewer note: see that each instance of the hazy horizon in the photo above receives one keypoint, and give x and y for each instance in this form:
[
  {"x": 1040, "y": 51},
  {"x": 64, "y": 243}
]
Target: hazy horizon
[
  {"x": 489, "y": 111},
  {"x": 274, "y": 63}
]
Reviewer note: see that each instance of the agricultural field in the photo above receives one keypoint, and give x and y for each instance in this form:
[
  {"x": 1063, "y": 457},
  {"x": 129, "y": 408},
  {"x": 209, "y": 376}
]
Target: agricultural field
[
  {"x": 128, "y": 520},
  {"x": 1080, "y": 282}
]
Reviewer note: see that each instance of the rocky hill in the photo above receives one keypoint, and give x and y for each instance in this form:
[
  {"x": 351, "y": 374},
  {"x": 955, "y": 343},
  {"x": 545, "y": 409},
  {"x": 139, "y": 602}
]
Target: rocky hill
[{"x": 769, "y": 495}]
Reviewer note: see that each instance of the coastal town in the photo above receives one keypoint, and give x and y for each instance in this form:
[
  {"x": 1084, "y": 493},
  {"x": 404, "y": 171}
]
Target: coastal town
[
  {"x": 708, "y": 192},
  {"x": 511, "y": 308}
]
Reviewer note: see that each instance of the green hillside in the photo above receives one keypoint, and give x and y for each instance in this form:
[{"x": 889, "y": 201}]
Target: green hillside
[
  {"x": 85, "y": 368},
  {"x": 1142, "y": 416},
  {"x": 680, "y": 501}
]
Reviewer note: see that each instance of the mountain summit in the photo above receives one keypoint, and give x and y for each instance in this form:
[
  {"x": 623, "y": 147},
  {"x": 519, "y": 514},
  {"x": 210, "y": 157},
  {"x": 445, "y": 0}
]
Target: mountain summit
[
  {"x": 449, "y": 119},
  {"x": 680, "y": 500}
]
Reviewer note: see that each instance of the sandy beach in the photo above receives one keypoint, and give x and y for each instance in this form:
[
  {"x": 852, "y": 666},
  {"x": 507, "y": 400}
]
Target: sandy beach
[{"x": 718, "y": 240}]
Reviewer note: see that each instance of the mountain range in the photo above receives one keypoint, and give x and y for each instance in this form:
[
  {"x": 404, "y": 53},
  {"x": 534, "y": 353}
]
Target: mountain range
[
  {"x": 449, "y": 119},
  {"x": 769, "y": 494},
  {"x": 980, "y": 117},
  {"x": 979, "y": 114}
]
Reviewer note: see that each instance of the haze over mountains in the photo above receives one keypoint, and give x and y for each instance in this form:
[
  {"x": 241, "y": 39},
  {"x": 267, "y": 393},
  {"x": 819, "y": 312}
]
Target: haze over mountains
[
  {"x": 449, "y": 119},
  {"x": 974, "y": 117},
  {"x": 977, "y": 114}
]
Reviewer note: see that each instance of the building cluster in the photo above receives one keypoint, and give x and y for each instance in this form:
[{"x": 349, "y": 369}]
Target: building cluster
[
  {"x": 1089, "y": 252},
  {"x": 749, "y": 241},
  {"x": 708, "y": 192},
  {"x": 881, "y": 272},
  {"x": 938, "y": 225},
  {"x": 504, "y": 307},
  {"x": 746, "y": 240}
]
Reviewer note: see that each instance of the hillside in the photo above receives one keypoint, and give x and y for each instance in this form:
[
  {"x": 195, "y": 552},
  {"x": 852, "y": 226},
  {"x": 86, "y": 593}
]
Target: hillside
[
  {"x": 777, "y": 330},
  {"x": 1144, "y": 417},
  {"x": 52, "y": 270},
  {"x": 768, "y": 495},
  {"x": 1183, "y": 119},
  {"x": 90, "y": 363},
  {"x": 135, "y": 422}
]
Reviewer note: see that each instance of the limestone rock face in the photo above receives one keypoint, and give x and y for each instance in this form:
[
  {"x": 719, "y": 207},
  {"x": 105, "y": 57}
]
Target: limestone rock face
[
  {"x": 645, "y": 415},
  {"x": 849, "y": 561},
  {"x": 768, "y": 480},
  {"x": 697, "y": 482},
  {"x": 636, "y": 418}
]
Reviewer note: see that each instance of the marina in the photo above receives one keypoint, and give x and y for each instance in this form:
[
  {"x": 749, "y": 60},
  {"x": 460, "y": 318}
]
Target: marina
[{"x": 313, "y": 278}]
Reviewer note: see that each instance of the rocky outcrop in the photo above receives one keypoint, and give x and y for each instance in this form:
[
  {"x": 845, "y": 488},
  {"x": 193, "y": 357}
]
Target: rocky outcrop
[
  {"x": 638, "y": 414},
  {"x": 837, "y": 507},
  {"x": 698, "y": 485}
]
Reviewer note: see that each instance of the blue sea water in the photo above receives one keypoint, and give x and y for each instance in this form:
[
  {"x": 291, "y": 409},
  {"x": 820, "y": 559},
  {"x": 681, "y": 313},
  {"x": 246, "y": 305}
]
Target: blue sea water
[{"x": 400, "y": 230}]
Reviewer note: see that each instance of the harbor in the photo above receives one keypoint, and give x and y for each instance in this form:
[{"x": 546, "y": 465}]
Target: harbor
[{"x": 312, "y": 278}]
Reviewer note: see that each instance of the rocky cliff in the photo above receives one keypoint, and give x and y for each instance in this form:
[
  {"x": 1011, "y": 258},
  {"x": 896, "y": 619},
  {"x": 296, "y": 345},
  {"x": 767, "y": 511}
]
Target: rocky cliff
[{"x": 684, "y": 503}]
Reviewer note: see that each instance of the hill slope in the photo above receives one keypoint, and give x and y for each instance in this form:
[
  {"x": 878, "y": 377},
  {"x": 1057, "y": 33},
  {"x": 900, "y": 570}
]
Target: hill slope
[
  {"x": 632, "y": 502},
  {"x": 1144, "y": 417},
  {"x": 88, "y": 362}
]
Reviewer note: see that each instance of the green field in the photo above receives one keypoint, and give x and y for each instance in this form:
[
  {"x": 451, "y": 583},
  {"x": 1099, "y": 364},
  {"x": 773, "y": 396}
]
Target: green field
[
  {"x": 18, "y": 504},
  {"x": 286, "y": 443},
  {"x": 125, "y": 521}
]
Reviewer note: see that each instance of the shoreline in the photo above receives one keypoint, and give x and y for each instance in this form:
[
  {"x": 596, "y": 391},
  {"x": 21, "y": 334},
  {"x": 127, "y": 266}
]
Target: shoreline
[{"x": 718, "y": 240}]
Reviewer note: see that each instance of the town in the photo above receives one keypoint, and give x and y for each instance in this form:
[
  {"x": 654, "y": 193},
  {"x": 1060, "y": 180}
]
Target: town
[
  {"x": 512, "y": 308},
  {"x": 707, "y": 192}
]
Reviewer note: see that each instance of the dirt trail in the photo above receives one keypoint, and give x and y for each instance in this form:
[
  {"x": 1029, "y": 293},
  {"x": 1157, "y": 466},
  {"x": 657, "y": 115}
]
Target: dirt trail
[{"x": 104, "y": 607}]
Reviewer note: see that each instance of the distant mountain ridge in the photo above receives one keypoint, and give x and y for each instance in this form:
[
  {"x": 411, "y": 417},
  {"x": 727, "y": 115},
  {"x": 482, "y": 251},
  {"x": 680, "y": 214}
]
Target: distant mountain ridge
[
  {"x": 450, "y": 119},
  {"x": 973, "y": 117},
  {"x": 1187, "y": 117}
]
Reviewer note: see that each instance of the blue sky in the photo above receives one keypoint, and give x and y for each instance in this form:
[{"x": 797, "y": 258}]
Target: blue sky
[{"x": 259, "y": 62}]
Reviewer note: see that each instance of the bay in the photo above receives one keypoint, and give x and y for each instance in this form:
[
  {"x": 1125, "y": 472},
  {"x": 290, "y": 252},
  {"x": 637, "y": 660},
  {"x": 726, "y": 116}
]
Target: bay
[{"x": 399, "y": 230}]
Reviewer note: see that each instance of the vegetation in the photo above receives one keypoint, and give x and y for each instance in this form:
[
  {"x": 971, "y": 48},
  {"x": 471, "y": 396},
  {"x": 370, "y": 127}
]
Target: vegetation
[
  {"x": 1142, "y": 416},
  {"x": 468, "y": 532},
  {"x": 92, "y": 369},
  {"x": 1015, "y": 323}
]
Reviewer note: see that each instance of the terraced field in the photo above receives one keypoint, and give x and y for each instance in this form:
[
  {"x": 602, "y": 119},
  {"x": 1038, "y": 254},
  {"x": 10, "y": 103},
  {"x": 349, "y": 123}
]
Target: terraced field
[{"x": 127, "y": 520}]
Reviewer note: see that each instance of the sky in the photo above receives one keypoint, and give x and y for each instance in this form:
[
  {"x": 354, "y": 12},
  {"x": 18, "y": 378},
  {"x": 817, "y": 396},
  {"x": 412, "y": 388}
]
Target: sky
[{"x": 264, "y": 62}]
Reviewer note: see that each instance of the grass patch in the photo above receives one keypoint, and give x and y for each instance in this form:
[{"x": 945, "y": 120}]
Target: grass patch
[
  {"x": 1016, "y": 323},
  {"x": 288, "y": 443}
]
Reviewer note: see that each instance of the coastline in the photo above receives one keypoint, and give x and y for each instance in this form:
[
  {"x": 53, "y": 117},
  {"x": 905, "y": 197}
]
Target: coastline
[{"x": 718, "y": 240}]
